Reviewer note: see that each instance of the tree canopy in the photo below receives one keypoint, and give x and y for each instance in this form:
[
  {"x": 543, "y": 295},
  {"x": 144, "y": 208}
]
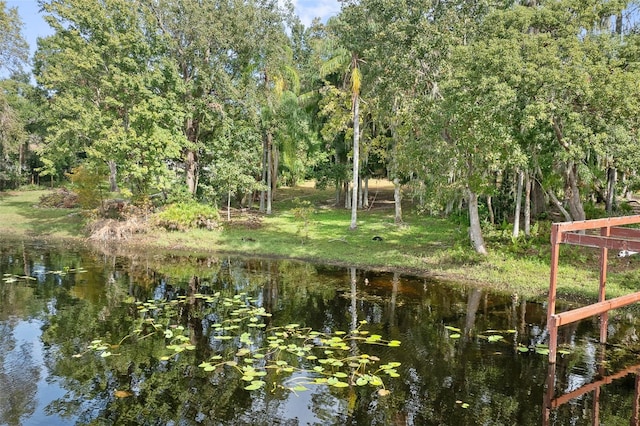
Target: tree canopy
[{"x": 471, "y": 108}]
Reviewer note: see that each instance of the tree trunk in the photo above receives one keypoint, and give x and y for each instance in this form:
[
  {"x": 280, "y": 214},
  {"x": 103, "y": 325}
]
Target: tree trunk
[
  {"x": 21, "y": 159},
  {"x": 539, "y": 199},
  {"x": 449, "y": 207},
  {"x": 572, "y": 193},
  {"x": 113, "y": 173},
  {"x": 347, "y": 195},
  {"x": 475, "y": 231},
  {"x": 275, "y": 165},
  {"x": 191, "y": 168},
  {"x": 338, "y": 180},
  {"x": 558, "y": 204},
  {"x": 365, "y": 195},
  {"x": 492, "y": 216},
  {"x": 527, "y": 205},
  {"x": 269, "y": 166},
  {"x": 356, "y": 161},
  {"x": 397, "y": 200},
  {"x": 516, "y": 218},
  {"x": 611, "y": 189},
  {"x": 625, "y": 187},
  {"x": 228, "y": 206},
  {"x": 264, "y": 176}
]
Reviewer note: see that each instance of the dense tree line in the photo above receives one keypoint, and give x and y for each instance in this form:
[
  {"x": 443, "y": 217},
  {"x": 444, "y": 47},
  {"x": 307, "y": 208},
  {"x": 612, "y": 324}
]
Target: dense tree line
[{"x": 497, "y": 107}]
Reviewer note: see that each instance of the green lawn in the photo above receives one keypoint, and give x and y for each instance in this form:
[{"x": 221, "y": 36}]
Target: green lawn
[
  {"x": 21, "y": 216},
  {"x": 318, "y": 231}
]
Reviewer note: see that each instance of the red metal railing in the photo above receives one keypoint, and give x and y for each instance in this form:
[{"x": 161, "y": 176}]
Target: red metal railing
[{"x": 612, "y": 237}]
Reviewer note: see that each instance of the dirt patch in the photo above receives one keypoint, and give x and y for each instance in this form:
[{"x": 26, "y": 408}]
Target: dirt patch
[{"x": 245, "y": 221}]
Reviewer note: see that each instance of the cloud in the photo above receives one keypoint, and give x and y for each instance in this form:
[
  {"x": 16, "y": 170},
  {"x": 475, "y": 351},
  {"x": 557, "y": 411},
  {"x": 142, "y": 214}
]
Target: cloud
[{"x": 309, "y": 9}]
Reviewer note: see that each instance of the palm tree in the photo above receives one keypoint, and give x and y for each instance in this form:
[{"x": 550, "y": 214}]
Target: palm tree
[{"x": 356, "y": 80}]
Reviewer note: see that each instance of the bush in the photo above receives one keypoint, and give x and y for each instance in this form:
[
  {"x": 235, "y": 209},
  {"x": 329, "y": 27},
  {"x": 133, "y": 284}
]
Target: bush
[
  {"x": 303, "y": 211},
  {"x": 625, "y": 208},
  {"x": 88, "y": 185},
  {"x": 186, "y": 215},
  {"x": 594, "y": 211}
]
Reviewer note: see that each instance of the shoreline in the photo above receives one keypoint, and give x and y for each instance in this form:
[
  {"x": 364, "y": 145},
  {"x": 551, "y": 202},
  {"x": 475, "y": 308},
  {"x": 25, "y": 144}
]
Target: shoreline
[{"x": 424, "y": 247}]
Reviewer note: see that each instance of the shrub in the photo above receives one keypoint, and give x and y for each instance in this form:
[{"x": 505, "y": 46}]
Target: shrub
[
  {"x": 303, "y": 211},
  {"x": 186, "y": 215},
  {"x": 625, "y": 208},
  {"x": 594, "y": 211},
  {"x": 87, "y": 183}
]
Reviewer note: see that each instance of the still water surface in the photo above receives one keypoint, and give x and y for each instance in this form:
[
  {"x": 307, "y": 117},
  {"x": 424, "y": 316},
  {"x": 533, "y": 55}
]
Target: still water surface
[{"x": 466, "y": 357}]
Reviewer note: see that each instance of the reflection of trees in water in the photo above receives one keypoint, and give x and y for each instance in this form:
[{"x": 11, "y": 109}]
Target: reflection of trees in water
[
  {"x": 19, "y": 376},
  {"x": 500, "y": 385}
]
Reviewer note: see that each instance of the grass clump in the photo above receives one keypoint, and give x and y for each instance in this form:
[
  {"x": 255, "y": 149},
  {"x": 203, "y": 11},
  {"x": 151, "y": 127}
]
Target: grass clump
[{"x": 187, "y": 215}]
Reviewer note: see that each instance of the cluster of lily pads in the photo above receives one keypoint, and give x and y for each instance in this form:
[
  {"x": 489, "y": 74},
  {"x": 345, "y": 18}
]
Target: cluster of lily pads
[
  {"x": 13, "y": 278},
  {"x": 294, "y": 356},
  {"x": 498, "y": 336}
]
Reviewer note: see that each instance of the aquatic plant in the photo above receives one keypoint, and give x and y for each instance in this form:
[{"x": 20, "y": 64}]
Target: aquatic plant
[
  {"x": 498, "y": 336},
  {"x": 293, "y": 356}
]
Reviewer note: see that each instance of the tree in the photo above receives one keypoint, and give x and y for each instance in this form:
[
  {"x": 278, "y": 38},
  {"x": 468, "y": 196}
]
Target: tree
[
  {"x": 14, "y": 50},
  {"x": 202, "y": 51},
  {"x": 456, "y": 113},
  {"x": 20, "y": 109},
  {"x": 104, "y": 72},
  {"x": 232, "y": 168},
  {"x": 352, "y": 29},
  {"x": 272, "y": 60},
  {"x": 356, "y": 79},
  {"x": 576, "y": 96}
]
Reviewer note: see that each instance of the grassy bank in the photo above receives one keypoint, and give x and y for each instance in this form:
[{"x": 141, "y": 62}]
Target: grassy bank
[
  {"x": 20, "y": 216},
  {"x": 306, "y": 225}
]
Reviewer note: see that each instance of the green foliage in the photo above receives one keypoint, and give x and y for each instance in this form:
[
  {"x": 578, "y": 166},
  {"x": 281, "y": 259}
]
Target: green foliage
[
  {"x": 186, "y": 215},
  {"x": 462, "y": 255},
  {"x": 14, "y": 50},
  {"x": 256, "y": 351},
  {"x": 594, "y": 211},
  {"x": 233, "y": 159},
  {"x": 178, "y": 193},
  {"x": 106, "y": 100},
  {"x": 302, "y": 212},
  {"x": 498, "y": 336},
  {"x": 88, "y": 183},
  {"x": 625, "y": 208}
]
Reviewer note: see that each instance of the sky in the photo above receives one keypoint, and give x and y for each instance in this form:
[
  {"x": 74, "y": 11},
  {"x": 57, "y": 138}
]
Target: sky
[{"x": 35, "y": 26}]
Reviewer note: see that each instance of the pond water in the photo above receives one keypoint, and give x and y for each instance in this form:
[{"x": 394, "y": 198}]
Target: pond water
[{"x": 88, "y": 337}]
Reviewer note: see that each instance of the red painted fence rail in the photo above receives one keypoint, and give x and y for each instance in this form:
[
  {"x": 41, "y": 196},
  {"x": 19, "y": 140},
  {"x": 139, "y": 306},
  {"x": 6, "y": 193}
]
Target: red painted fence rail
[{"x": 612, "y": 236}]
